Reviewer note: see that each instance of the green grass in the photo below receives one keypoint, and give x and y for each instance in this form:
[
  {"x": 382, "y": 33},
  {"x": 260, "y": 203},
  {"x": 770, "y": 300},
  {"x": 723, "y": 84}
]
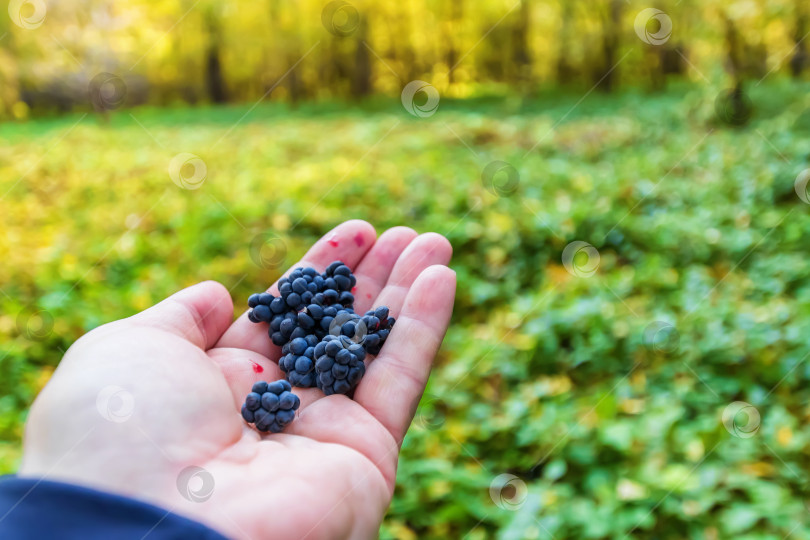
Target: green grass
[{"x": 543, "y": 375}]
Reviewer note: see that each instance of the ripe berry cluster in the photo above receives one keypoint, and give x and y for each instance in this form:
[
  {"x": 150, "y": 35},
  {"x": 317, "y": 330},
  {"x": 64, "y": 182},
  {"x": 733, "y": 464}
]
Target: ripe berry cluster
[
  {"x": 340, "y": 364},
  {"x": 307, "y": 302},
  {"x": 271, "y": 406},
  {"x": 323, "y": 341}
]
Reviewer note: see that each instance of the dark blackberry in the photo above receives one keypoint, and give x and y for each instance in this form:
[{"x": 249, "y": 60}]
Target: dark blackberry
[
  {"x": 282, "y": 328},
  {"x": 346, "y": 299},
  {"x": 298, "y": 361},
  {"x": 262, "y": 313},
  {"x": 343, "y": 322},
  {"x": 378, "y": 325},
  {"x": 260, "y": 304},
  {"x": 381, "y": 312},
  {"x": 270, "y": 406},
  {"x": 339, "y": 277},
  {"x": 339, "y": 366},
  {"x": 301, "y": 287},
  {"x": 264, "y": 306}
]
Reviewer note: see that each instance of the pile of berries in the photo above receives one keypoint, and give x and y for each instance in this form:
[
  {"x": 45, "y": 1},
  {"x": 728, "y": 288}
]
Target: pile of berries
[{"x": 323, "y": 341}]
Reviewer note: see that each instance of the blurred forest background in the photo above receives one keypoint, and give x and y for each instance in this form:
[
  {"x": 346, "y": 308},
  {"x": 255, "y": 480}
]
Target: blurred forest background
[
  {"x": 203, "y": 51},
  {"x": 624, "y": 185}
]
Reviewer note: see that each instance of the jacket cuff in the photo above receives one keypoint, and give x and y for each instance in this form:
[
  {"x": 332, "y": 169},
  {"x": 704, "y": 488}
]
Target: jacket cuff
[{"x": 37, "y": 508}]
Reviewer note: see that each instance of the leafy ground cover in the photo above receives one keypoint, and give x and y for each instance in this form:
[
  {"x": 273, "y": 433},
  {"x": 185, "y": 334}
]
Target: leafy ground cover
[{"x": 598, "y": 382}]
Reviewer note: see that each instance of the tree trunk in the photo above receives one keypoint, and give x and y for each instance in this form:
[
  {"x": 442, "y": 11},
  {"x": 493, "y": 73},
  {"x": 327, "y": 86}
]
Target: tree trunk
[
  {"x": 361, "y": 75},
  {"x": 733, "y": 50},
  {"x": 610, "y": 45},
  {"x": 451, "y": 57},
  {"x": 214, "y": 83},
  {"x": 520, "y": 55},
  {"x": 294, "y": 86},
  {"x": 565, "y": 70},
  {"x": 800, "y": 58}
]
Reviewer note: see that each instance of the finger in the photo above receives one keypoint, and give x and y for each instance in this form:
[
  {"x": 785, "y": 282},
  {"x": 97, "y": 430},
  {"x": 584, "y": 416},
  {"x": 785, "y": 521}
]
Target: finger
[
  {"x": 373, "y": 271},
  {"x": 200, "y": 314},
  {"x": 428, "y": 249},
  {"x": 348, "y": 242},
  {"x": 394, "y": 382},
  {"x": 339, "y": 420}
]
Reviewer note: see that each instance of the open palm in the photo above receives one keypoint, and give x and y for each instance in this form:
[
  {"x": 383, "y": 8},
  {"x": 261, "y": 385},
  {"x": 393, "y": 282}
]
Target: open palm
[{"x": 149, "y": 406}]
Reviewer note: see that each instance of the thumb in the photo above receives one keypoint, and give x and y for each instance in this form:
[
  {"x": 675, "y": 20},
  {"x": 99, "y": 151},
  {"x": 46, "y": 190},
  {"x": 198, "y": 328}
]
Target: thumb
[{"x": 200, "y": 313}]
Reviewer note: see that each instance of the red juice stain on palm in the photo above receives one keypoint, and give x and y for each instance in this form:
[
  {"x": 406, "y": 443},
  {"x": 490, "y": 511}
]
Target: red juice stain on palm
[
  {"x": 358, "y": 239},
  {"x": 257, "y": 368},
  {"x": 368, "y": 295},
  {"x": 354, "y": 290}
]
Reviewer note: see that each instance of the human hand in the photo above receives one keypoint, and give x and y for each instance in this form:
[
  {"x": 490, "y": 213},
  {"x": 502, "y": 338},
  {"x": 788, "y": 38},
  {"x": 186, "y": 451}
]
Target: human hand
[{"x": 135, "y": 403}]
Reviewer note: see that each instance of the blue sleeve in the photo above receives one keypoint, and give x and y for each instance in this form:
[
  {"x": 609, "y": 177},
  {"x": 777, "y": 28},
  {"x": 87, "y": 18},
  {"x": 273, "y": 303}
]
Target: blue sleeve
[{"x": 35, "y": 509}]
